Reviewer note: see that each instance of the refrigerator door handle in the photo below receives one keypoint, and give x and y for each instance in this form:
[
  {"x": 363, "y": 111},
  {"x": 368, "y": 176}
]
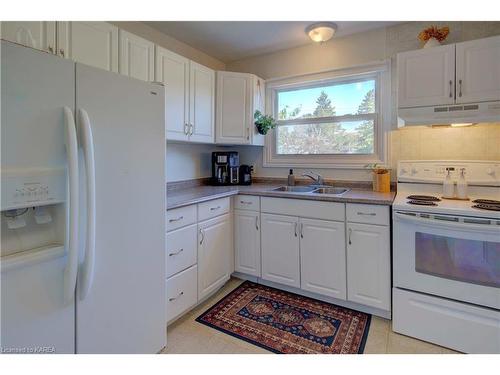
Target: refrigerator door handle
[
  {"x": 70, "y": 272},
  {"x": 87, "y": 142}
]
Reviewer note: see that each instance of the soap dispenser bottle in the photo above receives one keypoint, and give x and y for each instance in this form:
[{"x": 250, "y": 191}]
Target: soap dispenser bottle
[
  {"x": 291, "y": 178},
  {"x": 462, "y": 185},
  {"x": 448, "y": 185}
]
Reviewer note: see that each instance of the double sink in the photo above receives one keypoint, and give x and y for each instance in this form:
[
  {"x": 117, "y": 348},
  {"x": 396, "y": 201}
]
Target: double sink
[{"x": 313, "y": 189}]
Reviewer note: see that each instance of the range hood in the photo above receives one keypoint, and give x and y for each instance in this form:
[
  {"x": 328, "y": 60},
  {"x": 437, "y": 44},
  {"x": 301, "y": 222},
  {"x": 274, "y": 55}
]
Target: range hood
[{"x": 445, "y": 115}]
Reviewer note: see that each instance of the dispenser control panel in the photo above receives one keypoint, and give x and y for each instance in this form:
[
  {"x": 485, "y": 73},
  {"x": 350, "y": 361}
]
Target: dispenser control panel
[{"x": 31, "y": 188}]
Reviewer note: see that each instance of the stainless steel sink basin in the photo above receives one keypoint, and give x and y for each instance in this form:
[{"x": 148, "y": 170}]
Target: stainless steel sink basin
[
  {"x": 295, "y": 189},
  {"x": 331, "y": 190}
]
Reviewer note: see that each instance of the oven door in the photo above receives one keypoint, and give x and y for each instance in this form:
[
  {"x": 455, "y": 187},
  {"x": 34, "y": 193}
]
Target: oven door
[{"x": 448, "y": 256}]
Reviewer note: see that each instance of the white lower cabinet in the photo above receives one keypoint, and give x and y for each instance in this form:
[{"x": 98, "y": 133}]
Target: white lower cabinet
[
  {"x": 182, "y": 292},
  {"x": 322, "y": 257},
  {"x": 247, "y": 242},
  {"x": 368, "y": 265},
  {"x": 280, "y": 249},
  {"x": 214, "y": 254}
]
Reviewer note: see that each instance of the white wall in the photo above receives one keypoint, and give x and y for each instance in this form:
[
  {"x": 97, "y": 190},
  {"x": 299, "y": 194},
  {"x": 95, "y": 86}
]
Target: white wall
[{"x": 352, "y": 50}]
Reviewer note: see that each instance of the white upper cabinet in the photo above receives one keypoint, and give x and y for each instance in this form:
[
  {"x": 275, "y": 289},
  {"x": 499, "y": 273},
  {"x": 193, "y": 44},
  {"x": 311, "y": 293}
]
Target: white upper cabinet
[
  {"x": 189, "y": 97},
  {"x": 136, "y": 56},
  {"x": 35, "y": 34},
  {"x": 478, "y": 70},
  {"x": 91, "y": 43},
  {"x": 322, "y": 257},
  {"x": 201, "y": 103},
  {"x": 173, "y": 70},
  {"x": 426, "y": 77},
  {"x": 239, "y": 95}
]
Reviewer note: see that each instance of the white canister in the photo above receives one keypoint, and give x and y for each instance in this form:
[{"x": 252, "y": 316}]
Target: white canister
[
  {"x": 448, "y": 186},
  {"x": 462, "y": 185}
]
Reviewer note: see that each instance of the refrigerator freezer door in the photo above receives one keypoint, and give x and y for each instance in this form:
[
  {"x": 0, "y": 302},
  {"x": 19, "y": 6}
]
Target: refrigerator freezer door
[
  {"x": 124, "y": 311},
  {"x": 36, "y": 86}
]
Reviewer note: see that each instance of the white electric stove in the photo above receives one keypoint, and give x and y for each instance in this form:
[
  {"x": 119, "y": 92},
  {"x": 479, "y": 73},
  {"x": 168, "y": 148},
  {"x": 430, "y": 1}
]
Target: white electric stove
[{"x": 446, "y": 256}]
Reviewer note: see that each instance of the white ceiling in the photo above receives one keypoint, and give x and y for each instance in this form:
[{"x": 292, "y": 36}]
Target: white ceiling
[{"x": 234, "y": 40}]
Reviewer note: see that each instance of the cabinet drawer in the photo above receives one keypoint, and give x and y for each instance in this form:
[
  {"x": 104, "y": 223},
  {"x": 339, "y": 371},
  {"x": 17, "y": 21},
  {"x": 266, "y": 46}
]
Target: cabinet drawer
[
  {"x": 181, "y": 249},
  {"x": 182, "y": 292},
  {"x": 180, "y": 217},
  {"x": 210, "y": 209},
  {"x": 367, "y": 213},
  {"x": 304, "y": 208},
  {"x": 247, "y": 202}
]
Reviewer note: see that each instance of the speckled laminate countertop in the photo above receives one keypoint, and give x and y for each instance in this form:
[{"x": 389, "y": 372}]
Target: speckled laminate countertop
[{"x": 192, "y": 195}]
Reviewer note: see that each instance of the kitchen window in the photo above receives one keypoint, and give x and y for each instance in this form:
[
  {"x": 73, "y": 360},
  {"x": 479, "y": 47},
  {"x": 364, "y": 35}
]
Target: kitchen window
[{"x": 332, "y": 119}]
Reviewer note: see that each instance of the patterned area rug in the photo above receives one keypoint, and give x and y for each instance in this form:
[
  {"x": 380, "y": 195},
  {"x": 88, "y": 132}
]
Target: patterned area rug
[{"x": 284, "y": 322}]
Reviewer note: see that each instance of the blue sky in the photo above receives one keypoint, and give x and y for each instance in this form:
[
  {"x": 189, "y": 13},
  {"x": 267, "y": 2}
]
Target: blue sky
[{"x": 346, "y": 98}]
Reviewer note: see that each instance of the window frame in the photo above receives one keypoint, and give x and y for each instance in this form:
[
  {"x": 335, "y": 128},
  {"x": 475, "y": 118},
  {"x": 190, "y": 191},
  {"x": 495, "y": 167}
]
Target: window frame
[{"x": 379, "y": 71}]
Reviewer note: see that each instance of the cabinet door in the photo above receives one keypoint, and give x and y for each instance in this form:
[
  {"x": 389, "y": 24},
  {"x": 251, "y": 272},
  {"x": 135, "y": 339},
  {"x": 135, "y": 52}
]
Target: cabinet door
[
  {"x": 136, "y": 57},
  {"x": 201, "y": 103},
  {"x": 35, "y": 34},
  {"x": 322, "y": 257},
  {"x": 478, "y": 70},
  {"x": 214, "y": 254},
  {"x": 368, "y": 265},
  {"x": 247, "y": 242},
  {"x": 280, "y": 249},
  {"x": 259, "y": 104},
  {"x": 91, "y": 43},
  {"x": 233, "y": 107},
  {"x": 173, "y": 70},
  {"x": 426, "y": 77}
]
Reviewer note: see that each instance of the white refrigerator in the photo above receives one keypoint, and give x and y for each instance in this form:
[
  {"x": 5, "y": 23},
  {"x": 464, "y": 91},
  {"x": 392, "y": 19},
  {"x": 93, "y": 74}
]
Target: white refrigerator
[{"x": 83, "y": 208}]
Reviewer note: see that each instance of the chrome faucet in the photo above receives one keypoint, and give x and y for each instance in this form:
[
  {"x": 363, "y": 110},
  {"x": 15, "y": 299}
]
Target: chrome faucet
[{"x": 318, "y": 180}]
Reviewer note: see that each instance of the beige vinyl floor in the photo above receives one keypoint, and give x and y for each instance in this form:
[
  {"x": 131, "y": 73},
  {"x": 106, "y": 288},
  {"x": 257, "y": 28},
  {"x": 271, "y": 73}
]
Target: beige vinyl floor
[{"x": 186, "y": 336}]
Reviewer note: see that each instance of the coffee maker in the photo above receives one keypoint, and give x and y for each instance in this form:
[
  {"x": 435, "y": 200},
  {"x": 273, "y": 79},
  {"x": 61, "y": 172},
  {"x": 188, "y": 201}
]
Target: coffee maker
[{"x": 225, "y": 168}]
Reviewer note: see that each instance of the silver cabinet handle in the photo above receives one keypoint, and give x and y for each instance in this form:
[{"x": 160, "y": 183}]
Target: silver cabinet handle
[
  {"x": 176, "y": 253},
  {"x": 460, "y": 88},
  {"x": 367, "y": 213},
  {"x": 51, "y": 50},
  {"x": 174, "y": 298},
  {"x": 186, "y": 128},
  {"x": 177, "y": 219},
  {"x": 256, "y": 222},
  {"x": 248, "y": 134},
  {"x": 451, "y": 92},
  {"x": 301, "y": 230},
  {"x": 61, "y": 51},
  {"x": 202, "y": 234},
  {"x": 295, "y": 229},
  {"x": 245, "y": 202},
  {"x": 350, "y": 233},
  {"x": 214, "y": 208},
  {"x": 190, "y": 129}
]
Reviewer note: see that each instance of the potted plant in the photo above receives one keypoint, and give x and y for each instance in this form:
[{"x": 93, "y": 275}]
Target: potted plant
[
  {"x": 263, "y": 122},
  {"x": 381, "y": 177}
]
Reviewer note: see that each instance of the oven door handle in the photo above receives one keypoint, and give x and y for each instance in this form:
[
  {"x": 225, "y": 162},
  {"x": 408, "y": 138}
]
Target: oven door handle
[{"x": 447, "y": 224}]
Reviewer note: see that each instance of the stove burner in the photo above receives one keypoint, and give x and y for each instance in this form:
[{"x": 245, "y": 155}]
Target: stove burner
[
  {"x": 422, "y": 203},
  {"x": 489, "y": 207},
  {"x": 486, "y": 201},
  {"x": 425, "y": 198}
]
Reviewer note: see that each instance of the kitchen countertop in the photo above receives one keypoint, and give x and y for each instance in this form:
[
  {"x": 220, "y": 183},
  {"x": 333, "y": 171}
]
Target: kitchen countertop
[{"x": 192, "y": 195}]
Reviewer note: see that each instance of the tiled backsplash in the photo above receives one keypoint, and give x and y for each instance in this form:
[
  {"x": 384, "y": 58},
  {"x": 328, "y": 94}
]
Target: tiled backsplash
[{"x": 477, "y": 142}]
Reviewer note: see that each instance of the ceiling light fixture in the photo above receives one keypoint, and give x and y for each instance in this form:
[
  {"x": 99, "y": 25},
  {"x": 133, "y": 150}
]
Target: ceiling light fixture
[{"x": 322, "y": 31}]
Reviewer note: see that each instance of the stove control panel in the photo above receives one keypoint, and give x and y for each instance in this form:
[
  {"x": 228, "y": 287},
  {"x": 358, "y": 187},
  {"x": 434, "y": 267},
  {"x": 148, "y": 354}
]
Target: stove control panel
[
  {"x": 427, "y": 171},
  {"x": 32, "y": 187}
]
